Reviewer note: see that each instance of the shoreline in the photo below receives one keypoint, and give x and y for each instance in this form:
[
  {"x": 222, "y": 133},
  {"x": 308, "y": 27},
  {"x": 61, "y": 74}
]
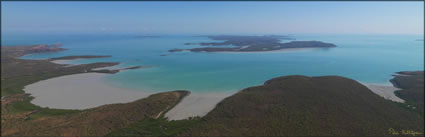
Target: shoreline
[
  {"x": 196, "y": 104},
  {"x": 88, "y": 90},
  {"x": 270, "y": 51},
  {"x": 385, "y": 91},
  {"x": 67, "y": 62}
]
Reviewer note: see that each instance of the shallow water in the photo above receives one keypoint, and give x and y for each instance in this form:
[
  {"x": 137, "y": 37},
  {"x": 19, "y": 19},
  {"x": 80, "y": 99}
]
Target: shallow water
[{"x": 366, "y": 58}]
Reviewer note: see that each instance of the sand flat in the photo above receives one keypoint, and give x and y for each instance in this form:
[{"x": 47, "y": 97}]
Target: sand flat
[
  {"x": 64, "y": 61},
  {"x": 88, "y": 90},
  {"x": 385, "y": 91},
  {"x": 79, "y": 91},
  {"x": 196, "y": 104}
]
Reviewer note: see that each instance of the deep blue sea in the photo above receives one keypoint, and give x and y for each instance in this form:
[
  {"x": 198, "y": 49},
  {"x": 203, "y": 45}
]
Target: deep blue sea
[{"x": 365, "y": 58}]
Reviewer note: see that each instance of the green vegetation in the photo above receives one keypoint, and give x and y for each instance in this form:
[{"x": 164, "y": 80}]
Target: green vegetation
[
  {"x": 284, "y": 106},
  {"x": 101, "y": 120},
  {"x": 156, "y": 127},
  {"x": 412, "y": 90},
  {"x": 21, "y": 118},
  {"x": 17, "y": 73},
  {"x": 306, "y": 106}
]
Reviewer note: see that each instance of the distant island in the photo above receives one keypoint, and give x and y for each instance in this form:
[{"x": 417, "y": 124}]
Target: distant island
[
  {"x": 253, "y": 44},
  {"x": 17, "y": 51},
  {"x": 148, "y": 36}
]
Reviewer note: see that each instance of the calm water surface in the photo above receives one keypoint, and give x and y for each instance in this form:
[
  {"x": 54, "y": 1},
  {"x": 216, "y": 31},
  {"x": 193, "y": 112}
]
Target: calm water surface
[{"x": 366, "y": 58}]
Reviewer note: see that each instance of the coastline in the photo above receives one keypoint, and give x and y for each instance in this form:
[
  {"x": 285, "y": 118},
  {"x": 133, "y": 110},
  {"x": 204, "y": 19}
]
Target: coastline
[
  {"x": 88, "y": 90},
  {"x": 385, "y": 91},
  {"x": 270, "y": 51},
  {"x": 81, "y": 90},
  {"x": 67, "y": 62}
]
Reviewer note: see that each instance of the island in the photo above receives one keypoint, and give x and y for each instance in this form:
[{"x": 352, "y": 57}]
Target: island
[
  {"x": 253, "y": 44},
  {"x": 17, "y": 51},
  {"x": 148, "y": 36}
]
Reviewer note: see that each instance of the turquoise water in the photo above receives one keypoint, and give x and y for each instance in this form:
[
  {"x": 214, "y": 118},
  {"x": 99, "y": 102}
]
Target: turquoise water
[{"x": 366, "y": 58}]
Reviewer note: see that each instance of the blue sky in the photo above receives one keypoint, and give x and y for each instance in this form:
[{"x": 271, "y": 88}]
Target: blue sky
[{"x": 214, "y": 17}]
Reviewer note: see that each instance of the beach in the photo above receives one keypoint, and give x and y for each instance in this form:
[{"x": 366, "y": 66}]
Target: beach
[
  {"x": 196, "y": 104},
  {"x": 67, "y": 62},
  {"x": 88, "y": 90},
  {"x": 385, "y": 91}
]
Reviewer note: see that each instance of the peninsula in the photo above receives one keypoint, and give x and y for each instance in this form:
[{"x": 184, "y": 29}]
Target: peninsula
[
  {"x": 411, "y": 84},
  {"x": 20, "y": 117},
  {"x": 253, "y": 44},
  {"x": 308, "y": 106}
]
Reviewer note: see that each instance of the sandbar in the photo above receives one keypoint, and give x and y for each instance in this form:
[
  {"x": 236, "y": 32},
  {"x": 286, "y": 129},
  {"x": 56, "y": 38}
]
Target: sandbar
[
  {"x": 196, "y": 104},
  {"x": 385, "y": 91},
  {"x": 67, "y": 62}
]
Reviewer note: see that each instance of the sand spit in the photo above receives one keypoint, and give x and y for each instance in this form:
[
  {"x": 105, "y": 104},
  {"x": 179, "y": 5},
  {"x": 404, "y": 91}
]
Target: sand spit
[
  {"x": 88, "y": 90},
  {"x": 79, "y": 91},
  {"x": 67, "y": 62},
  {"x": 108, "y": 68},
  {"x": 196, "y": 104},
  {"x": 385, "y": 91}
]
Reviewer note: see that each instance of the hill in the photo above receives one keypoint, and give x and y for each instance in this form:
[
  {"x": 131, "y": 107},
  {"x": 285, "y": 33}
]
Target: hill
[
  {"x": 19, "y": 117},
  {"x": 307, "y": 106},
  {"x": 411, "y": 84},
  {"x": 98, "y": 121}
]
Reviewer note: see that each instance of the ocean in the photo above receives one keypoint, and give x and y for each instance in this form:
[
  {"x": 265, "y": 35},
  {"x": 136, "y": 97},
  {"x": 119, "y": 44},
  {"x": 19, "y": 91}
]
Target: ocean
[{"x": 365, "y": 58}]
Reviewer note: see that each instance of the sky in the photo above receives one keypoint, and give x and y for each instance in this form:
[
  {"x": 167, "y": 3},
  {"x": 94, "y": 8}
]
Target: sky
[{"x": 204, "y": 17}]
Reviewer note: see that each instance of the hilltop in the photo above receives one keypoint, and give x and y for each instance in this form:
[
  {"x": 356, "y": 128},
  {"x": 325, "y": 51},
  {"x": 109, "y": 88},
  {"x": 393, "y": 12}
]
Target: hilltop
[
  {"x": 307, "y": 106},
  {"x": 411, "y": 84}
]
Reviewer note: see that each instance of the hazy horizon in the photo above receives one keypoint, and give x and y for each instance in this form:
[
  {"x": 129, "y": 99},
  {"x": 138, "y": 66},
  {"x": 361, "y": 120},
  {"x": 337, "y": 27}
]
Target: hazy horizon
[{"x": 199, "y": 18}]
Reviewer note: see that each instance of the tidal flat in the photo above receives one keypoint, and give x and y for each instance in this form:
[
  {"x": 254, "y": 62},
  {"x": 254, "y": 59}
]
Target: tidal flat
[{"x": 80, "y": 91}]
